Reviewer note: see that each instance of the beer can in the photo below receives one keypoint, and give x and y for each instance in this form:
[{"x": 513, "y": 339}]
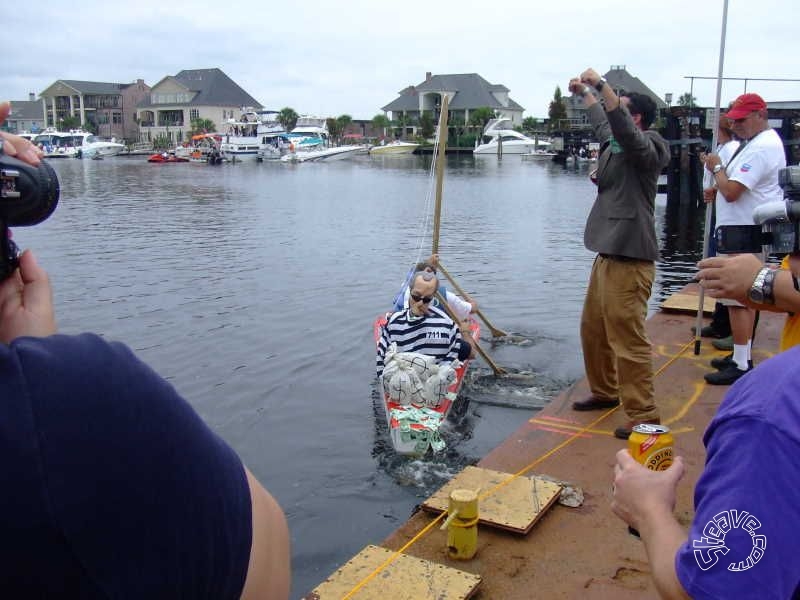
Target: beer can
[{"x": 651, "y": 446}]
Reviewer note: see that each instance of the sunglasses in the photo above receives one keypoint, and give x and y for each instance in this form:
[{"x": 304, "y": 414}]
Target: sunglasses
[{"x": 423, "y": 299}]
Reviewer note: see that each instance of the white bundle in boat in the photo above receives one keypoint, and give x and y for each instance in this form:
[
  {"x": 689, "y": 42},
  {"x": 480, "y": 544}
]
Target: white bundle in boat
[
  {"x": 434, "y": 388},
  {"x": 414, "y": 378}
]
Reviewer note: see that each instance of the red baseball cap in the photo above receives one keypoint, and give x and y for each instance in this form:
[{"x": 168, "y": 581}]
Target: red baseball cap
[{"x": 744, "y": 105}]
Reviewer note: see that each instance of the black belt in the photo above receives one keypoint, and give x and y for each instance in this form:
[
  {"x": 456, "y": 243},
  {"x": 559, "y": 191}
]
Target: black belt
[{"x": 620, "y": 258}]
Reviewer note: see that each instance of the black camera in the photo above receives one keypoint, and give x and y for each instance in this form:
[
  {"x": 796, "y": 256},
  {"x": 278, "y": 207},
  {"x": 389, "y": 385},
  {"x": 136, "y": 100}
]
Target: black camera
[
  {"x": 28, "y": 195},
  {"x": 777, "y": 224}
]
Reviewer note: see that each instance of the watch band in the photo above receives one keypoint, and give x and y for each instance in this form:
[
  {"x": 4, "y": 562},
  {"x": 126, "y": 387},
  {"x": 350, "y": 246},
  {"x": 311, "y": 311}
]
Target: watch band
[
  {"x": 717, "y": 169},
  {"x": 756, "y": 293},
  {"x": 599, "y": 85},
  {"x": 769, "y": 285}
]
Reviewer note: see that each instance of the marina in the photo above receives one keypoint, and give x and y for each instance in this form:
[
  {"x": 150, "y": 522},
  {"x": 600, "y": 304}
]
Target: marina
[{"x": 252, "y": 289}]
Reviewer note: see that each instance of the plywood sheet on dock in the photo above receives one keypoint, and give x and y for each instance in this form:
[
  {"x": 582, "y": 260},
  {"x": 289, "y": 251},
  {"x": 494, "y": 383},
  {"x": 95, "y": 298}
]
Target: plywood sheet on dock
[
  {"x": 687, "y": 303},
  {"x": 504, "y": 501},
  {"x": 405, "y": 577}
]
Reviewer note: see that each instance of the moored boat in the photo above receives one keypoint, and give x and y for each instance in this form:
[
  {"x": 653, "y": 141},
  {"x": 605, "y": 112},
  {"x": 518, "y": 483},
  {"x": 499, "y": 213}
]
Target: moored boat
[
  {"x": 394, "y": 148},
  {"x": 251, "y": 132},
  {"x": 166, "y": 158},
  {"x": 321, "y": 154},
  {"x": 500, "y": 132},
  {"x": 75, "y": 143}
]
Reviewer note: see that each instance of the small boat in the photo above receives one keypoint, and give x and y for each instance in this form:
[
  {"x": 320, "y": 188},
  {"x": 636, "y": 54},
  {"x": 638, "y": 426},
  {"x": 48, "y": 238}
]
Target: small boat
[
  {"x": 413, "y": 428},
  {"x": 539, "y": 155},
  {"x": 321, "y": 154},
  {"x": 166, "y": 158},
  {"x": 394, "y": 148},
  {"x": 500, "y": 131},
  {"x": 203, "y": 147}
]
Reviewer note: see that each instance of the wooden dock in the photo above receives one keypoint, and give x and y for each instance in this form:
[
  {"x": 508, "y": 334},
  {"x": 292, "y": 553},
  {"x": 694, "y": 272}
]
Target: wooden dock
[{"x": 587, "y": 552}]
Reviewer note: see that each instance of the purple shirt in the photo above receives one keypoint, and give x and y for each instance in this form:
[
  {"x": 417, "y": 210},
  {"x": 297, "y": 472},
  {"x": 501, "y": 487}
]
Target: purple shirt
[{"x": 745, "y": 536}]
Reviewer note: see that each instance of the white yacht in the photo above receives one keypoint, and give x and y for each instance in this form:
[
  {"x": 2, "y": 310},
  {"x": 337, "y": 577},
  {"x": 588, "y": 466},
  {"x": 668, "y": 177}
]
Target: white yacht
[
  {"x": 501, "y": 130},
  {"x": 252, "y": 131},
  {"x": 75, "y": 143}
]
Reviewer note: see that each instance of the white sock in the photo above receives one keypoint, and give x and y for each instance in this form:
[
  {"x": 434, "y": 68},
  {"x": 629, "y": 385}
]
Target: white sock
[{"x": 740, "y": 355}]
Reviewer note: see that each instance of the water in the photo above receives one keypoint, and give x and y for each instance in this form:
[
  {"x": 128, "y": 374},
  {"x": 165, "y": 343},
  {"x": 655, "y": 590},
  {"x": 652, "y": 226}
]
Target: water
[{"x": 253, "y": 288}]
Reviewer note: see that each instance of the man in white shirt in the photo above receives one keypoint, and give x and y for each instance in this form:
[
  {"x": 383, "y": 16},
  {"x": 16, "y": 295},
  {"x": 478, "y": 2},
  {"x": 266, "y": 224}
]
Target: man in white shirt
[{"x": 748, "y": 180}]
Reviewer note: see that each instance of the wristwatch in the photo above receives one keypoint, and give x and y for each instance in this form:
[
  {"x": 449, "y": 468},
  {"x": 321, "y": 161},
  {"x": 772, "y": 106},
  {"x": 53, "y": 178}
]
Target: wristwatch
[
  {"x": 717, "y": 169},
  {"x": 761, "y": 290},
  {"x": 599, "y": 85}
]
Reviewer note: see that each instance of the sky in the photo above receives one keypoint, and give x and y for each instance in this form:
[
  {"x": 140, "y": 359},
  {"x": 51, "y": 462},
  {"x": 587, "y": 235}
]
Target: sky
[{"x": 334, "y": 57}]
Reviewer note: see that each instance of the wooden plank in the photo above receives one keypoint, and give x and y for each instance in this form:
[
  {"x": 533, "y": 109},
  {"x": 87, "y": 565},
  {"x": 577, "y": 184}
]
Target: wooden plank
[
  {"x": 505, "y": 501},
  {"x": 687, "y": 303},
  {"x": 406, "y": 577}
]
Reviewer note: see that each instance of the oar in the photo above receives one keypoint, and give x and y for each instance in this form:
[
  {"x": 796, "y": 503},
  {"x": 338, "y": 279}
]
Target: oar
[
  {"x": 495, "y": 331},
  {"x": 497, "y": 370}
]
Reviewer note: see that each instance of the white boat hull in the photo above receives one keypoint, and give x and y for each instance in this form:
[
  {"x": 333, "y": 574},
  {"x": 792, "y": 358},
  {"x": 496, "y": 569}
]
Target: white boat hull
[
  {"x": 327, "y": 155},
  {"x": 515, "y": 147},
  {"x": 394, "y": 149}
]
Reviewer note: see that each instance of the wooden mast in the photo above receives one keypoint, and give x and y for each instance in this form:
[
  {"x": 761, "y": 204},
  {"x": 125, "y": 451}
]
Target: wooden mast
[{"x": 440, "y": 159}]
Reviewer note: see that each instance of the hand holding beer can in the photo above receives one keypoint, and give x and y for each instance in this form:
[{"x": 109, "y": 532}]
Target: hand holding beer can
[{"x": 651, "y": 446}]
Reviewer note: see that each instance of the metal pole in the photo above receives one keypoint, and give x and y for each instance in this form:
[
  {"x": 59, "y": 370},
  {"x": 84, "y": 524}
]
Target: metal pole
[{"x": 707, "y": 225}]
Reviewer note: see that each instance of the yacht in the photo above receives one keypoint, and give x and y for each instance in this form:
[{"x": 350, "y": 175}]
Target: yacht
[
  {"x": 514, "y": 142},
  {"x": 251, "y": 132},
  {"x": 394, "y": 148},
  {"x": 75, "y": 143}
]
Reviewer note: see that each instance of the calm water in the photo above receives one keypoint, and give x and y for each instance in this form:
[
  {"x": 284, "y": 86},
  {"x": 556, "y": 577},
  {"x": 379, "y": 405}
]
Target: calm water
[{"x": 253, "y": 288}]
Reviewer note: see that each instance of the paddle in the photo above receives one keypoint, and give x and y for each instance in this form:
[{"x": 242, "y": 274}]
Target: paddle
[
  {"x": 497, "y": 370},
  {"x": 495, "y": 331}
]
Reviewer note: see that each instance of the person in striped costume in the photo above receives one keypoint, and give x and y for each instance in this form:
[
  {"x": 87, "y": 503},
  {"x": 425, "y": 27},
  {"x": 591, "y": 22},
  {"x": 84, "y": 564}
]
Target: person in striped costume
[{"x": 421, "y": 327}]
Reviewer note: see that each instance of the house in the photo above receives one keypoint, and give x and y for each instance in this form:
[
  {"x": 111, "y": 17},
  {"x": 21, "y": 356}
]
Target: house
[
  {"x": 175, "y": 101},
  {"x": 26, "y": 115},
  {"x": 109, "y": 109},
  {"x": 467, "y": 92},
  {"x": 619, "y": 79}
]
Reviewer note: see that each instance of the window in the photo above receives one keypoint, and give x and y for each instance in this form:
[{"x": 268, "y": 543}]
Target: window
[
  {"x": 116, "y": 117},
  {"x": 194, "y": 114}
]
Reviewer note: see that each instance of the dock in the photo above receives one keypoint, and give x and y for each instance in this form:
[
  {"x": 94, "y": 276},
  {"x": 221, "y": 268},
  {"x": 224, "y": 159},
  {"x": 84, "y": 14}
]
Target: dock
[{"x": 584, "y": 552}]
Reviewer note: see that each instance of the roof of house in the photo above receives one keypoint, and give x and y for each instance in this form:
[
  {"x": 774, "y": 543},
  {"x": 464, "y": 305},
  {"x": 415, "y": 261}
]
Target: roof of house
[
  {"x": 619, "y": 79},
  {"x": 471, "y": 91},
  {"x": 28, "y": 110},
  {"x": 93, "y": 87},
  {"x": 212, "y": 87}
]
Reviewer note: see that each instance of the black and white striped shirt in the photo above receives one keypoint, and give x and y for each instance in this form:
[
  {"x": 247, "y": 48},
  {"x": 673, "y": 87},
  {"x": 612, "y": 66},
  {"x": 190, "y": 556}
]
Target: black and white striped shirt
[{"x": 434, "y": 334}]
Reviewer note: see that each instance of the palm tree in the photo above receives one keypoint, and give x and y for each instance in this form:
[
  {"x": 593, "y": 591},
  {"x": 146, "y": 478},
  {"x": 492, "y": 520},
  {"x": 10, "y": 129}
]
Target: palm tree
[
  {"x": 687, "y": 99},
  {"x": 288, "y": 118},
  {"x": 202, "y": 126},
  {"x": 342, "y": 121},
  {"x": 381, "y": 122}
]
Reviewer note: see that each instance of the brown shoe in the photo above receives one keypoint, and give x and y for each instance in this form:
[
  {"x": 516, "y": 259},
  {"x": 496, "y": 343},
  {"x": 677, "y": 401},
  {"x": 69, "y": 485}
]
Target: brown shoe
[
  {"x": 595, "y": 403},
  {"x": 624, "y": 433}
]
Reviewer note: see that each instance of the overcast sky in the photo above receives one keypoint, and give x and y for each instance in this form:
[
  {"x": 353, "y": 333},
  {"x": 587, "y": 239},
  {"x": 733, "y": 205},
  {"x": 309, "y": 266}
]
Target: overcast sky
[{"x": 331, "y": 57}]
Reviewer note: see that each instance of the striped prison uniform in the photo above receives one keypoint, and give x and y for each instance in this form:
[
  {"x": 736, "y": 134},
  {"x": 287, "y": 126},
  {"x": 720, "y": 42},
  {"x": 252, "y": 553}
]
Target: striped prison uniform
[{"x": 435, "y": 334}]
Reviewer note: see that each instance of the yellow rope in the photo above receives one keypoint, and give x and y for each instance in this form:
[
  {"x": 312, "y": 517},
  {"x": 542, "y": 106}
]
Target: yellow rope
[{"x": 519, "y": 473}]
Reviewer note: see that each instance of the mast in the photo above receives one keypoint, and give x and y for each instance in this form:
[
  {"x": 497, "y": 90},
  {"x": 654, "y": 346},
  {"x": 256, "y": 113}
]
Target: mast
[{"x": 440, "y": 159}]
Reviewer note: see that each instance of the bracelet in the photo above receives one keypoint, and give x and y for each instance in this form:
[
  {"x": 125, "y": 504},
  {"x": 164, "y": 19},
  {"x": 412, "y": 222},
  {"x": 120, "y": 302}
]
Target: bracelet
[
  {"x": 769, "y": 284},
  {"x": 599, "y": 85},
  {"x": 795, "y": 283}
]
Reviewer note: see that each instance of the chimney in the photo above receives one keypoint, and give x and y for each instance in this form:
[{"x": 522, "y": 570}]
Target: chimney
[
  {"x": 428, "y": 76},
  {"x": 31, "y": 97}
]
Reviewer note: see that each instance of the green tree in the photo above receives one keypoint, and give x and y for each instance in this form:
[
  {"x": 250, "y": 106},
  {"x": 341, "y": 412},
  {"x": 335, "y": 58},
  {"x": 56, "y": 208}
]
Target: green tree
[
  {"x": 530, "y": 124},
  {"x": 426, "y": 124},
  {"x": 481, "y": 116},
  {"x": 557, "y": 110},
  {"x": 381, "y": 122},
  {"x": 202, "y": 126},
  {"x": 334, "y": 131},
  {"x": 342, "y": 121},
  {"x": 687, "y": 99},
  {"x": 69, "y": 122},
  {"x": 288, "y": 118}
]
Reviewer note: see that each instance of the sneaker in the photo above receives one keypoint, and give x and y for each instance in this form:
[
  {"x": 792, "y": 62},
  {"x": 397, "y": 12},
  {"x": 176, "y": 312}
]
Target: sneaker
[
  {"x": 725, "y": 343},
  {"x": 710, "y": 331},
  {"x": 726, "y": 376},
  {"x": 724, "y": 362},
  {"x": 623, "y": 433}
]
